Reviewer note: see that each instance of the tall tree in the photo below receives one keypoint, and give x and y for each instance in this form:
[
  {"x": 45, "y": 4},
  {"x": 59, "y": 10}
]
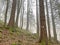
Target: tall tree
[
  {"x": 28, "y": 9},
  {"x": 48, "y": 22},
  {"x": 43, "y": 31},
  {"x": 12, "y": 18},
  {"x": 22, "y": 13},
  {"x": 18, "y": 10},
  {"x": 37, "y": 17},
  {"x": 5, "y": 21},
  {"x": 53, "y": 22}
]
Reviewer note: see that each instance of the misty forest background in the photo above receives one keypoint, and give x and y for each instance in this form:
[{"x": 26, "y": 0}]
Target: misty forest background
[{"x": 29, "y": 22}]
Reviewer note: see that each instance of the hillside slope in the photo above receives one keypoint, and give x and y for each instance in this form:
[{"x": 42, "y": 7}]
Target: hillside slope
[
  {"x": 10, "y": 37},
  {"x": 17, "y": 36}
]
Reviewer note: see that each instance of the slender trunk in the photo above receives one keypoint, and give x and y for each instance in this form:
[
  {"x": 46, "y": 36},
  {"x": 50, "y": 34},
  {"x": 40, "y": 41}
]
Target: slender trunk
[
  {"x": 22, "y": 13},
  {"x": 48, "y": 22},
  {"x": 5, "y": 21},
  {"x": 37, "y": 17},
  {"x": 12, "y": 18},
  {"x": 27, "y": 28},
  {"x": 18, "y": 11},
  {"x": 43, "y": 31},
  {"x": 53, "y": 23}
]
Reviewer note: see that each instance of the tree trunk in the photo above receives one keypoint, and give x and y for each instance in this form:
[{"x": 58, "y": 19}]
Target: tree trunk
[
  {"x": 12, "y": 18},
  {"x": 18, "y": 11},
  {"x": 5, "y": 21},
  {"x": 27, "y": 28},
  {"x": 37, "y": 17},
  {"x": 53, "y": 23},
  {"x": 48, "y": 22},
  {"x": 22, "y": 13},
  {"x": 43, "y": 31}
]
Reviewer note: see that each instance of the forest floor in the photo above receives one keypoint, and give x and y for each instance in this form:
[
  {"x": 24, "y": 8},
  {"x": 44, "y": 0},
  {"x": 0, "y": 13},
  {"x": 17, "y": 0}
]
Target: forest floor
[
  {"x": 17, "y": 37},
  {"x": 10, "y": 36}
]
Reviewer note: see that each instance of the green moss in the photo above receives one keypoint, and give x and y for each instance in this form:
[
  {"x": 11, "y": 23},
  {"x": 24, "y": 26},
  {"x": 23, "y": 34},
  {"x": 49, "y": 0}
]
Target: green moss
[
  {"x": 1, "y": 22},
  {"x": 42, "y": 43},
  {"x": 13, "y": 43},
  {"x": 12, "y": 29},
  {"x": 1, "y": 30},
  {"x": 0, "y": 35}
]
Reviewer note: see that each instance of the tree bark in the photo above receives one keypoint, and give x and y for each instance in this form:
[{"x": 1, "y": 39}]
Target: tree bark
[
  {"x": 37, "y": 17},
  {"x": 18, "y": 11},
  {"x": 12, "y": 18},
  {"x": 22, "y": 13},
  {"x": 48, "y": 22},
  {"x": 27, "y": 27},
  {"x": 43, "y": 31},
  {"x": 53, "y": 22},
  {"x": 5, "y": 21}
]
